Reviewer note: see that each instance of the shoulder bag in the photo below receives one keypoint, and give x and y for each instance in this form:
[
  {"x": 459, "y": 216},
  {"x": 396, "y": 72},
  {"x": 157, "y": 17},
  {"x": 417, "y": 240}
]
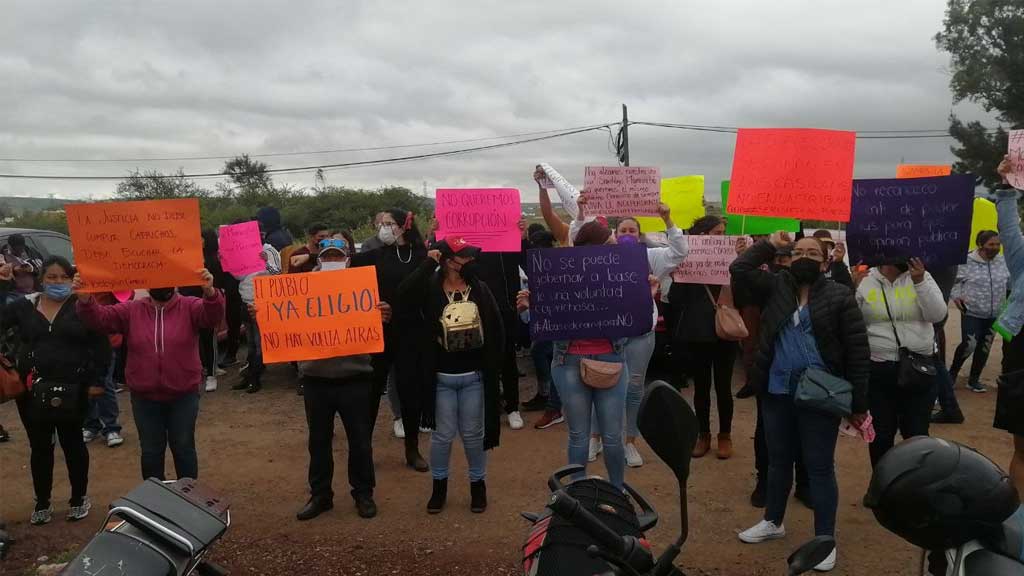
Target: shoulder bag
[
  {"x": 729, "y": 323},
  {"x": 916, "y": 372},
  {"x": 821, "y": 391},
  {"x": 11, "y": 384}
]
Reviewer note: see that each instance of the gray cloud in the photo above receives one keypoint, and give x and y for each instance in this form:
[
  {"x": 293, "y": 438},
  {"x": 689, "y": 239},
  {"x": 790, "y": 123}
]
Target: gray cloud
[{"x": 120, "y": 79}]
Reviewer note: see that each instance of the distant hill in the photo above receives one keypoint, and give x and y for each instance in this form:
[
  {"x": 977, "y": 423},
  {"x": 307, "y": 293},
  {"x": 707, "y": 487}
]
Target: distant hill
[{"x": 16, "y": 205}]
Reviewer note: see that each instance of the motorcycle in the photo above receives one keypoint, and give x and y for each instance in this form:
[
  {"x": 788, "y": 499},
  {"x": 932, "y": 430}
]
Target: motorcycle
[
  {"x": 591, "y": 527},
  {"x": 159, "y": 528}
]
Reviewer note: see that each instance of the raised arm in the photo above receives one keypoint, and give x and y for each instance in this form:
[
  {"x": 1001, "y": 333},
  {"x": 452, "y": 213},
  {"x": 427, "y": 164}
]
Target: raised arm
[
  {"x": 111, "y": 319},
  {"x": 929, "y": 296},
  {"x": 664, "y": 260},
  {"x": 746, "y": 268}
]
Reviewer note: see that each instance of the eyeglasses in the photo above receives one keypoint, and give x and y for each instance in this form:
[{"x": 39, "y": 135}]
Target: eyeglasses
[{"x": 334, "y": 243}]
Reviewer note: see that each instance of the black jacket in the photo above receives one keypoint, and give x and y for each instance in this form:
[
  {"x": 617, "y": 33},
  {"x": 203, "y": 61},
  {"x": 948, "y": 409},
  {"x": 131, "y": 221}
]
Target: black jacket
[
  {"x": 67, "y": 350},
  {"x": 421, "y": 291},
  {"x": 839, "y": 273},
  {"x": 696, "y": 312},
  {"x": 838, "y": 325}
]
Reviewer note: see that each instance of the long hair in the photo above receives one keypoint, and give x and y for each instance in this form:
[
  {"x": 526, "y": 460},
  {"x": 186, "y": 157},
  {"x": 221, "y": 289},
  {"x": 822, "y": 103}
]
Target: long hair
[
  {"x": 411, "y": 231},
  {"x": 705, "y": 224}
]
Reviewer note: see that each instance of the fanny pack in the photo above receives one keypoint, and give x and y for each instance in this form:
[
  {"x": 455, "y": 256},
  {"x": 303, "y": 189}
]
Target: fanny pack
[
  {"x": 461, "y": 328},
  {"x": 916, "y": 371},
  {"x": 57, "y": 401},
  {"x": 599, "y": 374}
]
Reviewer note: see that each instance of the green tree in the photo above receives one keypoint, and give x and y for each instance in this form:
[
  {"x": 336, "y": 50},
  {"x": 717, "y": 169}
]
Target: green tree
[
  {"x": 155, "y": 185},
  {"x": 54, "y": 220},
  {"x": 986, "y": 41},
  {"x": 249, "y": 176}
]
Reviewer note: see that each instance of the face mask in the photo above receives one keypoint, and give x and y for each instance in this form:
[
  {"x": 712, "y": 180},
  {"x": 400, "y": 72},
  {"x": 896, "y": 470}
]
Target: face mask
[
  {"x": 805, "y": 270},
  {"x": 59, "y": 292},
  {"x": 161, "y": 294},
  {"x": 469, "y": 270},
  {"x": 328, "y": 266},
  {"x": 627, "y": 240},
  {"x": 386, "y": 234}
]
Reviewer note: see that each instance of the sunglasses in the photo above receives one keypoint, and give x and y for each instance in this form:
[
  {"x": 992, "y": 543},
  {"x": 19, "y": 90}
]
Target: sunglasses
[{"x": 334, "y": 243}]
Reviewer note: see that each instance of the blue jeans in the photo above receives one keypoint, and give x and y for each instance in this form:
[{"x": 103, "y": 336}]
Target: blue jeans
[
  {"x": 578, "y": 400},
  {"x": 543, "y": 353},
  {"x": 975, "y": 340},
  {"x": 170, "y": 423},
  {"x": 638, "y": 352},
  {"x": 459, "y": 410},
  {"x": 103, "y": 410},
  {"x": 787, "y": 429}
]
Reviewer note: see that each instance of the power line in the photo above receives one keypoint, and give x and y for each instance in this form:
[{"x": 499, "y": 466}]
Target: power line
[
  {"x": 325, "y": 167},
  {"x": 861, "y": 134},
  {"x": 309, "y": 153}
]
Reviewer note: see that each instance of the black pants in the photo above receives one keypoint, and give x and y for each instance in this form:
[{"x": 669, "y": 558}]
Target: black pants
[
  {"x": 324, "y": 398},
  {"x": 254, "y": 353},
  {"x": 761, "y": 454},
  {"x": 896, "y": 409},
  {"x": 163, "y": 424},
  {"x": 382, "y": 367},
  {"x": 509, "y": 368},
  {"x": 233, "y": 315},
  {"x": 707, "y": 363},
  {"x": 208, "y": 351},
  {"x": 40, "y": 439},
  {"x": 975, "y": 343}
]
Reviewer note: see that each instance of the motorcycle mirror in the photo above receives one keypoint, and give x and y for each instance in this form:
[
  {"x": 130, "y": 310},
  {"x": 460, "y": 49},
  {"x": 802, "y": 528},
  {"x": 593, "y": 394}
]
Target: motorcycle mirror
[
  {"x": 669, "y": 426},
  {"x": 812, "y": 553}
]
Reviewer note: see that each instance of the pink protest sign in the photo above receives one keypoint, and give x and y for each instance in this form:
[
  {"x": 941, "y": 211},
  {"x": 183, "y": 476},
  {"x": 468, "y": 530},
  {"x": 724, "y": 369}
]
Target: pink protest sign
[
  {"x": 240, "y": 248},
  {"x": 484, "y": 217},
  {"x": 707, "y": 260},
  {"x": 622, "y": 190},
  {"x": 1016, "y": 177}
]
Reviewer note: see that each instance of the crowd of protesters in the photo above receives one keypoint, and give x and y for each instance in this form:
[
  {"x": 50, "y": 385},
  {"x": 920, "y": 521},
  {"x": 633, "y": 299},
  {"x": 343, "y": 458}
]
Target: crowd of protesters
[{"x": 807, "y": 314}]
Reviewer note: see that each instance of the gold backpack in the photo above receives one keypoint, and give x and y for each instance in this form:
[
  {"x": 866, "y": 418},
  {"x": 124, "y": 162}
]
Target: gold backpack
[{"x": 461, "y": 328}]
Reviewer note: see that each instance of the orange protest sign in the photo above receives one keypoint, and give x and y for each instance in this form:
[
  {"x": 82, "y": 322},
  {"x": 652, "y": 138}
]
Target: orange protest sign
[
  {"x": 923, "y": 170},
  {"x": 793, "y": 172},
  {"x": 318, "y": 315},
  {"x": 128, "y": 245}
]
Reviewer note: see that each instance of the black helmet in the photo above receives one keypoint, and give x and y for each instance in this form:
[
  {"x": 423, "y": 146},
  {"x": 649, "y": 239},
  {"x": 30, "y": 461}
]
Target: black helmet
[{"x": 937, "y": 494}]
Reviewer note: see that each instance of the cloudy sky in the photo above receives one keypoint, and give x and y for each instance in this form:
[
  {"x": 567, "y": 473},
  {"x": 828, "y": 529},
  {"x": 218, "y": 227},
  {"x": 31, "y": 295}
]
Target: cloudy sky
[{"x": 117, "y": 80}]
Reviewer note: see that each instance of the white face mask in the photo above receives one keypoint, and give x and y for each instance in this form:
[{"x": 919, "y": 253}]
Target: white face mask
[
  {"x": 328, "y": 266},
  {"x": 386, "y": 234}
]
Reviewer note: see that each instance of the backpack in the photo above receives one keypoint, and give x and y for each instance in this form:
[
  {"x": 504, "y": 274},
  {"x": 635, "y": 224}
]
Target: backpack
[{"x": 461, "y": 328}]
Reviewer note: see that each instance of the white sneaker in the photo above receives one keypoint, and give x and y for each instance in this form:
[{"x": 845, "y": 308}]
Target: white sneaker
[
  {"x": 425, "y": 430},
  {"x": 399, "y": 428},
  {"x": 515, "y": 421},
  {"x": 828, "y": 563},
  {"x": 633, "y": 458},
  {"x": 211, "y": 383},
  {"x": 89, "y": 436},
  {"x": 114, "y": 439},
  {"x": 596, "y": 447},
  {"x": 762, "y": 531},
  {"x": 76, "y": 513}
]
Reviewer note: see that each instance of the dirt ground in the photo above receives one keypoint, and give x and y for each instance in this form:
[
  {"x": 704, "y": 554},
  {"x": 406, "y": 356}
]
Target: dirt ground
[{"x": 252, "y": 449}]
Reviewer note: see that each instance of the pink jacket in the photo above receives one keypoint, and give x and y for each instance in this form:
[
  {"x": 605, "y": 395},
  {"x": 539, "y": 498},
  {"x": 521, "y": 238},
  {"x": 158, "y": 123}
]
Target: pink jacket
[{"x": 163, "y": 342}]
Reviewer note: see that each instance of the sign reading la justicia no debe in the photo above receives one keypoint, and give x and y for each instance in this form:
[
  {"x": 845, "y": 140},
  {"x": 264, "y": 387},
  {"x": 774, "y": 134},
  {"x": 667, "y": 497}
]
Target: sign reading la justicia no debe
[{"x": 589, "y": 292}]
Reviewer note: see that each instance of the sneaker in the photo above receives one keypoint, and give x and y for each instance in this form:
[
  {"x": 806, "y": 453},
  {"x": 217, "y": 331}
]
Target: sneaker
[
  {"x": 549, "y": 419},
  {"x": 89, "y": 435},
  {"x": 76, "y": 513},
  {"x": 242, "y": 371},
  {"x": 119, "y": 387},
  {"x": 596, "y": 447},
  {"x": 515, "y": 421},
  {"x": 425, "y": 430},
  {"x": 114, "y": 439},
  {"x": 399, "y": 428},
  {"x": 761, "y": 532},
  {"x": 40, "y": 517},
  {"x": 633, "y": 458},
  {"x": 977, "y": 387},
  {"x": 211, "y": 383},
  {"x": 219, "y": 371},
  {"x": 535, "y": 404},
  {"x": 828, "y": 563}
]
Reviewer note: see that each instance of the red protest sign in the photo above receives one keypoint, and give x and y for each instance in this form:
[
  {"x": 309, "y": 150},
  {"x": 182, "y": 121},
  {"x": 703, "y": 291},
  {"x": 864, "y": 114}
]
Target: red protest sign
[
  {"x": 793, "y": 172},
  {"x": 622, "y": 190}
]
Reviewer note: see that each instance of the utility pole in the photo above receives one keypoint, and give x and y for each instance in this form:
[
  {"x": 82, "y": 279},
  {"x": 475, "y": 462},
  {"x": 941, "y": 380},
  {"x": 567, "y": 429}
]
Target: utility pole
[{"x": 624, "y": 131}]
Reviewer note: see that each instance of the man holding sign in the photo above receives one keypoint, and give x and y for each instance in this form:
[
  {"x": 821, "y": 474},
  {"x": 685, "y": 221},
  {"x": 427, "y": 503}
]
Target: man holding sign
[{"x": 329, "y": 321}]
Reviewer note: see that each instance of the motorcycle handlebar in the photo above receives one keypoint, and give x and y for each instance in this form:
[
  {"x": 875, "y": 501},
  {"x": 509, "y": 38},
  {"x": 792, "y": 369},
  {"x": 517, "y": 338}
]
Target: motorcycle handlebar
[{"x": 569, "y": 508}]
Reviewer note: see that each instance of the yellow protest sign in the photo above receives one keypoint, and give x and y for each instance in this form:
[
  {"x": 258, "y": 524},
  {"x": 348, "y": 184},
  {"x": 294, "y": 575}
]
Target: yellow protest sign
[
  {"x": 685, "y": 196},
  {"x": 985, "y": 218}
]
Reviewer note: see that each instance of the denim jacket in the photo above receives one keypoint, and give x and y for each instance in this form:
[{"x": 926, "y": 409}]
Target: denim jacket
[
  {"x": 1011, "y": 320},
  {"x": 562, "y": 349}
]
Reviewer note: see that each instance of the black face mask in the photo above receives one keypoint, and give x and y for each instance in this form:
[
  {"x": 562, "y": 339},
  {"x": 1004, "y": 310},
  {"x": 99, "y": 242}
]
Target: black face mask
[
  {"x": 161, "y": 294},
  {"x": 805, "y": 270},
  {"x": 470, "y": 270}
]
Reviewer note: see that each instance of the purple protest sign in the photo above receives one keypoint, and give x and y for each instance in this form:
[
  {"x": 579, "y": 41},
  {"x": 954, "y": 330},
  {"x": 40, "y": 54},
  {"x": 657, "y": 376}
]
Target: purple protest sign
[
  {"x": 927, "y": 218},
  {"x": 589, "y": 292}
]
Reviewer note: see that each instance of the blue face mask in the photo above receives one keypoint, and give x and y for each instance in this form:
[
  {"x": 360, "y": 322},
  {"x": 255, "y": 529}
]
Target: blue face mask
[{"x": 58, "y": 292}]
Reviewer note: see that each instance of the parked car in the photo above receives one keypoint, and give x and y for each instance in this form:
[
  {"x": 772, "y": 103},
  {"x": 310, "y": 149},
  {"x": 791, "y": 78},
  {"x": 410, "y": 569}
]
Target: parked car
[{"x": 44, "y": 242}]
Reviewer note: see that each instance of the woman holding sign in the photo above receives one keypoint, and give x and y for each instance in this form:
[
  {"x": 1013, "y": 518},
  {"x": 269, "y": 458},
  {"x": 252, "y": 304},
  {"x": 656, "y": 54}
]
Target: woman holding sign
[
  {"x": 62, "y": 362},
  {"x": 163, "y": 372},
  {"x": 461, "y": 346}
]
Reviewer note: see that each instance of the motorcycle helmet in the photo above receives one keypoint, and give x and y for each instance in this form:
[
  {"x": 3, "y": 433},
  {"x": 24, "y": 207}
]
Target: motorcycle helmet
[{"x": 937, "y": 494}]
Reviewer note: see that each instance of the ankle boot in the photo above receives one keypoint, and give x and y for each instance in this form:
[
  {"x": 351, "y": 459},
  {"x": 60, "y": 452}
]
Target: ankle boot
[
  {"x": 478, "y": 496},
  {"x": 702, "y": 446},
  {"x": 724, "y": 446},
  {"x": 413, "y": 459},
  {"x": 438, "y": 497}
]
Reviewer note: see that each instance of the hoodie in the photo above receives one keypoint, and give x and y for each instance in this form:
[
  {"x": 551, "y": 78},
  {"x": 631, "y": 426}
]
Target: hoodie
[
  {"x": 982, "y": 285},
  {"x": 915, "y": 308},
  {"x": 164, "y": 341},
  {"x": 273, "y": 233},
  {"x": 1011, "y": 321}
]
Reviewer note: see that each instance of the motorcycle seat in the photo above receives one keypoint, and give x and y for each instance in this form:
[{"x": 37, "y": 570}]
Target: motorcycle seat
[
  {"x": 987, "y": 563},
  {"x": 1008, "y": 540},
  {"x": 117, "y": 554}
]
